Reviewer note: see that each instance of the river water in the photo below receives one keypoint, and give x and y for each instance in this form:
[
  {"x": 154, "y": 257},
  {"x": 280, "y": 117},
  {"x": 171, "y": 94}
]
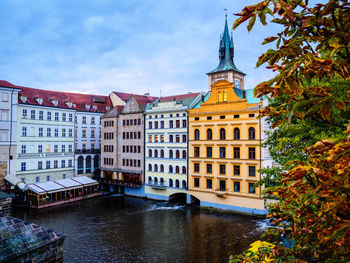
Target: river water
[{"x": 118, "y": 229}]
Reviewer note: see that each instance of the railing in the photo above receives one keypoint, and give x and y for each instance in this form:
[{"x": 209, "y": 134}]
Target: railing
[
  {"x": 46, "y": 154},
  {"x": 119, "y": 182},
  {"x": 221, "y": 192},
  {"x": 157, "y": 186},
  {"x": 82, "y": 151}
]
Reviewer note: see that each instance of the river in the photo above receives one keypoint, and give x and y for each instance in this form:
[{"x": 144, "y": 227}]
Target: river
[{"x": 118, "y": 229}]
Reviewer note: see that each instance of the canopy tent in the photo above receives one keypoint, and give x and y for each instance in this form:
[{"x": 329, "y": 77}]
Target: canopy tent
[{"x": 14, "y": 180}]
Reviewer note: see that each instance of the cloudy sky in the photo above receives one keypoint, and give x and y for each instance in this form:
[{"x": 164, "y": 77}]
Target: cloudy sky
[{"x": 122, "y": 45}]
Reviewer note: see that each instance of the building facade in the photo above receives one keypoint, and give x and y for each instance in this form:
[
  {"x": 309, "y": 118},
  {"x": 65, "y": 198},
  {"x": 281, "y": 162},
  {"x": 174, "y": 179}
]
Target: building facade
[
  {"x": 166, "y": 142},
  {"x": 224, "y": 141},
  {"x": 8, "y": 130},
  {"x": 45, "y": 136}
]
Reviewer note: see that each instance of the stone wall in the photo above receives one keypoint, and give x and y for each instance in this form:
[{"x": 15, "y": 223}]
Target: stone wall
[
  {"x": 6, "y": 206},
  {"x": 3, "y": 172}
]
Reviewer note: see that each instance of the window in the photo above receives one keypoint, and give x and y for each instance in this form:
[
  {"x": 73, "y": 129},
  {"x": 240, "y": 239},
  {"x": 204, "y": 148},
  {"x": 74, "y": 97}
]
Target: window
[
  {"x": 222, "y": 152},
  {"x": 47, "y": 148},
  {"x": 222, "y": 169},
  {"x": 196, "y": 168},
  {"x": 170, "y": 182},
  {"x": 48, "y": 116},
  {"x": 155, "y": 153},
  {"x": 41, "y": 115},
  {"x": 70, "y": 148},
  {"x": 177, "y": 123},
  {"x": 236, "y": 153},
  {"x": 56, "y": 116},
  {"x": 83, "y": 133},
  {"x": 251, "y": 188},
  {"x": 209, "y": 183},
  {"x": 171, "y": 124},
  {"x": 177, "y": 154},
  {"x": 236, "y": 170},
  {"x": 236, "y": 134},
  {"x": 156, "y": 125},
  {"x": 149, "y": 138},
  {"x": 171, "y": 138},
  {"x": 184, "y": 138},
  {"x": 251, "y": 133},
  {"x": 24, "y": 149},
  {"x": 196, "y": 134},
  {"x": 155, "y": 168},
  {"x": 155, "y": 138},
  {"x": 93, "y": 120},
  {"x": 222, "y": 134},
  {"x": 37, "y": 179},
  {"x": 84, "y": 119},
  {"x": 209, "y": 134},
  {"x": 209, "y": 168},
  {"x": 55, "y": 164},
  {"x": 170, "y": 169},
  {"x": 56, "y": 132},
  {"x": 161, "y": 138},
  {"x": 177, "y": 169},
  {"x": 225, "y": 95},
  {"x": 64, "y": 116},
  {"x": 196, "y": 152},
  {"x": 236, "y": 186},
  {"x": 24, "y": 131},
  {"x": 23, "y": 166},
  {"x": 32, "y": 114},
  {"x": 41, "y": 132},
  {"x": 63, "y": 132},
  {"x": 48, "y": 164},
  {"x": 92, "y": 133},
  {"x": 222, "y": 185},
  {"x": 63, "y": 163},
  {"x": 40, "y": 165},
  {"x": 196, "y": 118},
  {"x": 184, "y": 123},
  {"x": 70, "y": 117},
  {"x": 150, "y": 125},
  {"x": 209, "y": 117},
  {"x": 48, "y": 178},
  {"x": 252, "y": 115},
  {"x": 184, "y": 169},
  {"x": 196, "y": 182},
  {"x": 40, "y": 148},
  {"x": 184, "y": 154},
  {"x": 48, "y": 132},
  {"x": 251, "y": 153},
  {"x": 220, "y": 98},
  {"x": 171, "y": 155},
  {"x": 63, "y": 147},
  {"x": 24, "y": 114},
  {"x": 162, "y": 124},
  {"x": 252, "y": 171},
  {"x": 161, "y": 169},
  {"x": 70, "y": 133},
  {"x": 161, "y": 153},
  {"x": 55, "y": 148},
  {"x": 236, "y": 116},
  {"x": 149, "y": 152},
  {"x": 177, "y": 183},
  {"x": 177, "y": 138},
  {"x": 209, "y": 152},
  {"x": 222, "y": 117}
]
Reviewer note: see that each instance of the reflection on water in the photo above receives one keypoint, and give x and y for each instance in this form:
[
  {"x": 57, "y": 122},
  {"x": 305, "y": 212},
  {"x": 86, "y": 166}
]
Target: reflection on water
[{"x": 116, "y": 229}]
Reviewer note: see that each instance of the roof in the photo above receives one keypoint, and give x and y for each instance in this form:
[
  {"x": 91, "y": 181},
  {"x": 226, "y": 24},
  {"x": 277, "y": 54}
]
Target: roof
[
  {"x": 185, "y": 99},
  {"x": 249, "y": 95},
  {"x": 19, "y": 237},
  {"x": 113, "y": 112},
  {"x": 198, "y": 105},
  {"x": 226, "y": 53},
  {"x": 14, "y": 180},
  {"x": 6, "y": 84},
  {"x": 140, "y": 98},
  {"x": 84, "y": 180}
]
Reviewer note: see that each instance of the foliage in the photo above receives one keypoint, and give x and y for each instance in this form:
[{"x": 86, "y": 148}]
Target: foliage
[
  {"x": 259, "y": 251},
  {"x": 310, "y": 101}
]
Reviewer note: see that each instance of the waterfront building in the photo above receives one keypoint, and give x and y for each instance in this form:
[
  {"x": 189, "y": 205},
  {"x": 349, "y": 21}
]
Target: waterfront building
[
  {"x": 8, "y": 130},
  {"x": 166, "y": 135},
  {"x": 45, "y": 135},
  {"x": 224, "y": 140},
  {"x": 89, "y": 109}
]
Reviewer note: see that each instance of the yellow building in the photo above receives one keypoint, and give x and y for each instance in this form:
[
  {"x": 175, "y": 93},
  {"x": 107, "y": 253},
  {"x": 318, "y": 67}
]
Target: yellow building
[{"x": 224, "y": 141}]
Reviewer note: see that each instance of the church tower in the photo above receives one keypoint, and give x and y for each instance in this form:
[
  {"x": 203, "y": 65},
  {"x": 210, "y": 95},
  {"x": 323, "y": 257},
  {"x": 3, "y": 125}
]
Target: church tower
[{"x": 226, "y": 70}]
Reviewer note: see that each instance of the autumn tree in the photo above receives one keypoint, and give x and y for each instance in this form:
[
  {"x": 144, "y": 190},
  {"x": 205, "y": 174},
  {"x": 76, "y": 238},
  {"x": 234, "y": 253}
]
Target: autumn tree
[{"x": 311, "y": 90}]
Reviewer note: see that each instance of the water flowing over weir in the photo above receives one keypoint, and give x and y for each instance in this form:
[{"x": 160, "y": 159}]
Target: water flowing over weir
[{"x": 125, "y": 229}]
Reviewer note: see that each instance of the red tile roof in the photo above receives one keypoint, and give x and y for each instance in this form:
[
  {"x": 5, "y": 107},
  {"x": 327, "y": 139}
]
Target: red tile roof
[
  {"x": 79, "y": 101},
  {"x": 140, "y": 98},
  {"x": 179, "y": 97}
]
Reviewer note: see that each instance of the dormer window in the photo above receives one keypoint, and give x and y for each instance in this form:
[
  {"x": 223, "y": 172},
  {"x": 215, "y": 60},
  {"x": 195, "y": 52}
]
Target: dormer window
[
  {"x": 23, "y": 99},
  {"x": 108, "y": 108},
  {"x": 39, "y": 101},
  {"x": 69, "y": 104},
  {"x": 54, "y": 102},
  {"x": 94, "y": 107},
  {"x": 220, "y": 98},
  {"x": 87, "y": 107}
]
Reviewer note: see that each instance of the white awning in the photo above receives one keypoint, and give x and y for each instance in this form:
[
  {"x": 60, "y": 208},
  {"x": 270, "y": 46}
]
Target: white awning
[
  {"x": 68, "y": 183},
  {"x": 84, "y": 180},
  {"x": 14, "y": 180}
]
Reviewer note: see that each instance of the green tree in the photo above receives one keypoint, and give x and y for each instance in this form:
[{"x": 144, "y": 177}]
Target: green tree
[{"x": 309, "y": 101}]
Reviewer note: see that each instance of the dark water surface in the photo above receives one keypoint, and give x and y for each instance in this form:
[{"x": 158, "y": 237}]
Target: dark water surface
[{"x": 116, "y": 229}]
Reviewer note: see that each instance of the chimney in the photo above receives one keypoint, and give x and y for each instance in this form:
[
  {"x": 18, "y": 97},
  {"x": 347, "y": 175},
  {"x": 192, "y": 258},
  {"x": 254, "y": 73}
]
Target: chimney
[
  {"x": 202, "y": 98},
  {"x": 244, "y": 94}
]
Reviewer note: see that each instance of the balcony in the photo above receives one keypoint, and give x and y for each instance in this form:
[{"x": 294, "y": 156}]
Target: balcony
[
  {"x": 220, "y": 192},
  {"x": 87, "y": 151},
  {"x": 158, "y": 186},
  {"x": 119, "y": 182}
]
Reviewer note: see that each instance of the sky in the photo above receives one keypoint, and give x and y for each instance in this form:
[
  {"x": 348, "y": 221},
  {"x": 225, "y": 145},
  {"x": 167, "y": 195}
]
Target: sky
[{"x": 163, "y": 47}]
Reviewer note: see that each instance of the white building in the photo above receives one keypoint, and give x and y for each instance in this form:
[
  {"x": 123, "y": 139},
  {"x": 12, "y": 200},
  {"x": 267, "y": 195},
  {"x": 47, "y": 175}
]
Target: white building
[{"x": 8, "y": 129}]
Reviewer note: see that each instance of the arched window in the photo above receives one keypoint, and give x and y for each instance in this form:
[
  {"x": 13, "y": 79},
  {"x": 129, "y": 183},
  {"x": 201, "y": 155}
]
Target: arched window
[
  {"x": 184, "y": 154},
  {"x": 156, "y": 153},
  {"x": 156, "y": 168},
  {"x": 170, "y": 169},
  {"x": 161, "y": 153},
  {"x": 222, "y": 134},
  {"x": 196, "y": 134},
  {"x": 177, "y": 154},
  {"x": 155, "y": 180},
  {"x": 236, "y": 134},
  {"x": 220, "y": 96},
  {"x": 150, "y": 167},
  {"x": 161, "y": 181},
  {"x": 177, "y": 183},
  {"x": 149, "y": 153},
  {"x": 177, "y": 169},
  {"x": 209, "y": 134},
  {"x": 149, "y": 179},
  {"x": 251, "y": 133},
  {"x": 171, "y": 154},
  {"x": 171, "y": 182},
  {"x": 80, "y": 165},
  {"x": 225, "y": 95},
  {"x": 183, "y": 184},
  {"x": 184, "y": 169},
  {"x": 161, "y": 168}
]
